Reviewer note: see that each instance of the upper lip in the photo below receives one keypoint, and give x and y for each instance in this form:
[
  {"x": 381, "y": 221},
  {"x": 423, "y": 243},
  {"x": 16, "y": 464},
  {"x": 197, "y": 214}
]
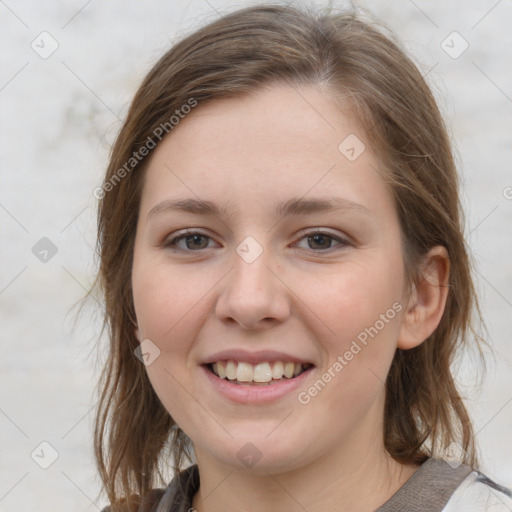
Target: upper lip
[{"x": 259, "y": 356}]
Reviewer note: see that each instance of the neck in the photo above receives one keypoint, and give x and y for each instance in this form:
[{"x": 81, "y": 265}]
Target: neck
[{"x": 357, "y": 477}]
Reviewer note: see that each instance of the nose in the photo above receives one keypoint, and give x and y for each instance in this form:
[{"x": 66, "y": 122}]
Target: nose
[{"x": 253, "y": 294}]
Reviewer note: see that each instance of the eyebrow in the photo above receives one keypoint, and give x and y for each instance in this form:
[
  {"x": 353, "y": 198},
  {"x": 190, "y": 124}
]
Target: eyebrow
[{"x": 295, "y": 206}]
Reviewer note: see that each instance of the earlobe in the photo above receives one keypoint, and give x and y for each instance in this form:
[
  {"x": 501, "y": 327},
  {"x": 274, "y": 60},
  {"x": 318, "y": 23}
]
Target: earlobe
[{"x": 427, "y": 300}]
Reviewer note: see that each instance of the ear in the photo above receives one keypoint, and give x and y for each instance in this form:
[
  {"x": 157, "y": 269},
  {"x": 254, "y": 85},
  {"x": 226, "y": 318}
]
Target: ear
[{"x": 427, "y": 300}]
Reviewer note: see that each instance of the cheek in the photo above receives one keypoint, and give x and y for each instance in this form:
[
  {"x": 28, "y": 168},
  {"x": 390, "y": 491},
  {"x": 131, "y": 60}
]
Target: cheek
[
  {"x": 168, "y": 307},
  {"x": 165, "y": 300},
  {"x": 363, "y": 312},
  {"x": 360, "y": 292}
]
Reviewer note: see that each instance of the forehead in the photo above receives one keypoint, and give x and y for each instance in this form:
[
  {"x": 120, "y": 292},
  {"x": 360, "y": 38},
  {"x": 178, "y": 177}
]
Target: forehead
[
  {"x": 278, "y": 116},
  {"x": 279, "y": 142}
]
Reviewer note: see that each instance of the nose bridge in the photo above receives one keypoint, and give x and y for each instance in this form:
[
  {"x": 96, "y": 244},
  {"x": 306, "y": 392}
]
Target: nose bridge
[
  {"x": 252, "y": 292},
  {"x": 252, "y": 266}
]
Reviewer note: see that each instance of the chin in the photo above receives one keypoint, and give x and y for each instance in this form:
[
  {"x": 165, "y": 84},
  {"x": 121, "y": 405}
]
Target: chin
[{"x": 259, "y": 455}]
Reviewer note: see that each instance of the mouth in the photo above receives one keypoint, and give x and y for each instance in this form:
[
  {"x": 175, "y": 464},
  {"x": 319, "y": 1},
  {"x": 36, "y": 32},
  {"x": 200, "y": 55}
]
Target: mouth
[{"x": 266, "y": 373}]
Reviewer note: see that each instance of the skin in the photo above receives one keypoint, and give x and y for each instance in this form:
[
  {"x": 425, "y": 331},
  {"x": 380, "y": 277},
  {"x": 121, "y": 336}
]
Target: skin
[{"x": 303, "y": 296}]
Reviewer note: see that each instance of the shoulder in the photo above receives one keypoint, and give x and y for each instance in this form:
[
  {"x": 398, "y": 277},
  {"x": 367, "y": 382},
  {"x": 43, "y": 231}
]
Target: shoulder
[
  {"x": 439, "y": 485},
  {"x": 478, "y": 493},
  {"x": 176, "y": 496}
]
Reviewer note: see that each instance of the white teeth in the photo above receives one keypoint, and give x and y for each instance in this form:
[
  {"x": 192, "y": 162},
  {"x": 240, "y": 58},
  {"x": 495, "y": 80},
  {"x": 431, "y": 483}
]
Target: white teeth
[
  {"x": 221, "y": 370},
  {"x": 262, "y": 372},
  {"x": 278, "y": 370},
  {"x": 259, "y": 373},
  {"x": 288, "y": 370},
  {"x": 244, "y": 372},
  {"x": 231, "y": 370}
]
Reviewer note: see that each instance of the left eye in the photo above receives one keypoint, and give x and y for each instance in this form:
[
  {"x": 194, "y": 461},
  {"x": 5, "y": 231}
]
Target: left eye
[
  {"x": 322, "y": 239},
  {"x": 194, "y": 240}
]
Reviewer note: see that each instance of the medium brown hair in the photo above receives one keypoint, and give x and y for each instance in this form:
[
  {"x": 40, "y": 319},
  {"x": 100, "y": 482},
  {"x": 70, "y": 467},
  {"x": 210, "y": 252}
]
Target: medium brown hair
[{"x": 348, "y": 57}]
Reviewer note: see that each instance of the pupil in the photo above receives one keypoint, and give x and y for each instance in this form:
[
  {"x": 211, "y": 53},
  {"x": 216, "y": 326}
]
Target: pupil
[
  {"x": 320, "y": 236},
  {"x": 195, "y": 238}
]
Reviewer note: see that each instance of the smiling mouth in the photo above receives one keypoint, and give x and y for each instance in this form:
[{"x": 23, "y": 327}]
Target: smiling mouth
[{"x": 261, "y": 374}]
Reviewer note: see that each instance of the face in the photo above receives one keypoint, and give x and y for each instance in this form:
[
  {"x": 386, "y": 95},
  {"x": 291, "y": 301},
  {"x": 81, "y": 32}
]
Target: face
[{"x": 237, "y": 258}]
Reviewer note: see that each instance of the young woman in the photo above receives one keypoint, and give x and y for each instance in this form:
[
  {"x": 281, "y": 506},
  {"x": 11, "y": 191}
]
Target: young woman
[{"x": 286, "y": 280}]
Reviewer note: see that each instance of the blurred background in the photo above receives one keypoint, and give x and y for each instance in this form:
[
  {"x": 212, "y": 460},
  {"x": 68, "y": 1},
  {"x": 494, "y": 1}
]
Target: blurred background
[{"x": 68, "y": 72}]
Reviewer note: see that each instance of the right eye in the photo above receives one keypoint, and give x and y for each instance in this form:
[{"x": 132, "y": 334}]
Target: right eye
[{"x": 194, "y": 241}]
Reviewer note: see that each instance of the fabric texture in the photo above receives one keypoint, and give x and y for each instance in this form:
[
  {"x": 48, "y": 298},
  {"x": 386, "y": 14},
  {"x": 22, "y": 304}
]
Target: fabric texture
[
  {"x": 478, "y": 492},
  {"x": 436, "y": 486}
]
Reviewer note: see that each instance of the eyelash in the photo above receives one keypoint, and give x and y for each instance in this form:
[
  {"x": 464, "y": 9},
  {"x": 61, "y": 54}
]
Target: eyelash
[{"x": 173, "y": 241}]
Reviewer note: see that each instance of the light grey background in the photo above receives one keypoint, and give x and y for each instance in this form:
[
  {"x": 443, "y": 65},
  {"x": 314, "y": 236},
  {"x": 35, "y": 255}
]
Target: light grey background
[{"x": 59, "y": 116}]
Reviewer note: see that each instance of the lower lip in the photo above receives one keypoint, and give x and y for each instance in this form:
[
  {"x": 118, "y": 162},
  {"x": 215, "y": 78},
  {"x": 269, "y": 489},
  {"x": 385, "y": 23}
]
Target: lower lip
[{"x": 244, "y": 394}]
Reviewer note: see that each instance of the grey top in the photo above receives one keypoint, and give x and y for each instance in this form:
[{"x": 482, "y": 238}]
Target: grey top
[{"x": 429, "y": 489}]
